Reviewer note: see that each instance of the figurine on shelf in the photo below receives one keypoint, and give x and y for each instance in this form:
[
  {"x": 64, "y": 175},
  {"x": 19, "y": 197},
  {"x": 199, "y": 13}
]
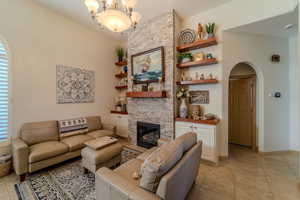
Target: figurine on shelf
[
  {"x": 199, "y": 56},
  {"x": 200, "y": 32},
  {"x": 150, "y": 88},
  {"x": 183, "y": 77},
  {"x": 209, "y": 56},
  {"x": 161, "y": 83},
  {"x": 210, "y": 76},
  {"x": 196, "y": 112},
  {"x": 145, "y": 88},
  {"x": 189, "y": 78},
  {"x": 202, "y": 77},
  {"x": 210, "y": 116},
  {"x": 197, "y": 77},
  {"x": 131, "y": 79}
]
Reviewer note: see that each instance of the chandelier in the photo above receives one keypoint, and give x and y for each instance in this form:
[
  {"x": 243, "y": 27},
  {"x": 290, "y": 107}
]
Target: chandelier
[{"x": 116, "y": 15}]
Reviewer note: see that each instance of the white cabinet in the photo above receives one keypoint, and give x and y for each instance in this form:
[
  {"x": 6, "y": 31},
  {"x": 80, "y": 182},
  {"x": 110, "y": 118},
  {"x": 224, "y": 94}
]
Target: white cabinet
[
  {"x": 121, "y": 122},
  {"x": 206, "y": 133}
]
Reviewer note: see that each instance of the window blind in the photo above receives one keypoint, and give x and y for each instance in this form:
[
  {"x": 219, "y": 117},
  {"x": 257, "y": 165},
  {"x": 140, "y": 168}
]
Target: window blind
[{"x": 4, "y": 101}]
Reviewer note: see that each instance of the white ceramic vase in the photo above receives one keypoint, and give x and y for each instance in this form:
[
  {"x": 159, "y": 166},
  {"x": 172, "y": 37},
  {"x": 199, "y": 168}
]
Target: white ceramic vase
[{"x": 183, "y": 109}]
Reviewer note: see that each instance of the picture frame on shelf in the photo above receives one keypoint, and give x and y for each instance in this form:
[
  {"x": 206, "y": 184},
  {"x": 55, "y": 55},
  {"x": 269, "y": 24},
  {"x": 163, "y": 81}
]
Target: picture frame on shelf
[
  {"x": 148, "y": 66},
  {"x": 198, "y": 97}
]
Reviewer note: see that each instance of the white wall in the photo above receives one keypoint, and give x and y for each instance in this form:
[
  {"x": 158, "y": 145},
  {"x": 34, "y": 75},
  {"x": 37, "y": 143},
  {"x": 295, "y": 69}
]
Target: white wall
[
  {"x": 38, "y": 40},
  {"x": 272, "y": 77},
  {"x": 234, "y": 14},
  {"x": 294, "y": 95}
]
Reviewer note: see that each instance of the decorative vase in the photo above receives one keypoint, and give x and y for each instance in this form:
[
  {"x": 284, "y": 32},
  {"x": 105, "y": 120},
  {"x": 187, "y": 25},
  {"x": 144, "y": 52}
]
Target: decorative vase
[
  {"x": 120, "y": 58},
  {"x": 183, "y": 109},
  {"x": 185, "y": 60},
  {"x": 211, "y": 35}
]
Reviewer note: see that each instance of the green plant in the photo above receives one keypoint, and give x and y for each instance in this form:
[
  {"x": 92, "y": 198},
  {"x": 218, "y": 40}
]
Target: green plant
[
  {"x": 182, "y": 93},
  {"x": 182, "y": 56},
  {"x": 120, "y": 53},
  {"x": 210, "y": 28}
]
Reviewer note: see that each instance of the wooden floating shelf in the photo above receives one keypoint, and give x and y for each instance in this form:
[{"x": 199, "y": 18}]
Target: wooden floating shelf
[
  {"x": 121, "y": 75},
  {"x": 198, "y": 82},
  {"x": 121, "y": 64},
  {"x": 208, "y": 122},
  {"x": 198, "y": 44},
  {"x": 119, "y": 112},
  {"x": 121, "y": 87},
  {"x": 198, "y": 63},
  {"x": 149, "y": 94}
]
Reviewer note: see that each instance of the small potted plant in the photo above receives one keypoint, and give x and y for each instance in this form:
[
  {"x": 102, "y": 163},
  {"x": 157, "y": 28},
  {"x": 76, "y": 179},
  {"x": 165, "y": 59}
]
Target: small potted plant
[
  {"x": 120, "y": 54},
  {"x": 185, "y": 57},
  {"x": 210, "y": 29},
  {"x": 182, "y": 94}
]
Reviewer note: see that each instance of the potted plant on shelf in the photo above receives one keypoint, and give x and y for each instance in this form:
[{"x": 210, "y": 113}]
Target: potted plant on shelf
[
  {"x": 120, "y": 54},
  {"x": 210, "y": 29},
  {"x": 182, "y": 94},
  {"x": 185, "y": 57}
]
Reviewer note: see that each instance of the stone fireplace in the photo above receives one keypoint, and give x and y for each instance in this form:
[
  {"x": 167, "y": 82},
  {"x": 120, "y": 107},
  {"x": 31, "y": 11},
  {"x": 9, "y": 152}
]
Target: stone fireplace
[
  {"x": 147, "y": 134},
  {"x": 157, "y": 32}
]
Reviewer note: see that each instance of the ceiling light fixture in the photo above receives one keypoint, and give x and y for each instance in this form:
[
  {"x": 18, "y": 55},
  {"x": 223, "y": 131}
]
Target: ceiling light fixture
[{"x": 116, "y": 15}]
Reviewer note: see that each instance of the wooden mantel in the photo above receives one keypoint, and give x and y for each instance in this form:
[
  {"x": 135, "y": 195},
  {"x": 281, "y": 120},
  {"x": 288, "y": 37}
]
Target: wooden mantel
[{"x": 149, "y": 94}]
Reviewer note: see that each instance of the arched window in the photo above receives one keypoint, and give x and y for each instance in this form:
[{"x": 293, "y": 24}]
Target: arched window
[{"x": 4, "y": 98}]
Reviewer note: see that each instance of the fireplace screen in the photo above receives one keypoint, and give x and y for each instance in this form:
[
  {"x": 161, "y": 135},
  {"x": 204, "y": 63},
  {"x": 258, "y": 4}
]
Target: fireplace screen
[{"x": 147, "y": 134}]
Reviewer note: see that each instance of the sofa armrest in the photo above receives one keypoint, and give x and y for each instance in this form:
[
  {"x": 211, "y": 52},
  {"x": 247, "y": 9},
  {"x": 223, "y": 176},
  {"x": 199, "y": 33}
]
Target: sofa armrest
[
  {"x": 110, "y": 185},
  {"x": 20, "y": 151},
  {"x": 109, "y": 127}
]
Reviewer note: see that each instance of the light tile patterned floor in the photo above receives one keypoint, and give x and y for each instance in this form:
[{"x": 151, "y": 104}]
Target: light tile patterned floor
[
  {"x": 249, "y": 176},
  {"x": 245, "y": 175}
]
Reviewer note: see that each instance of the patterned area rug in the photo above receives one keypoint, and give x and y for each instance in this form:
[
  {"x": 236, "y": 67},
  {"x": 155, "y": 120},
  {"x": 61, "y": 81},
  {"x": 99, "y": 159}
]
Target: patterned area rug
[{"x": 66, "y": 181}]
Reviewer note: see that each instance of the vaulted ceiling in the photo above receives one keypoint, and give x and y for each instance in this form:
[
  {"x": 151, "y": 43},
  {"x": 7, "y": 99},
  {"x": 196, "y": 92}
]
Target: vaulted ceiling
[{"x": 76, "y": 9}]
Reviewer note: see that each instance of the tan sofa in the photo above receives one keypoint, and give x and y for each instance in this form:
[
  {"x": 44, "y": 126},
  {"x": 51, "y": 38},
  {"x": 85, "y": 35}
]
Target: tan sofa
[
  {"x": 39, "y": 144},
  {"x": 175, "y": 184}
]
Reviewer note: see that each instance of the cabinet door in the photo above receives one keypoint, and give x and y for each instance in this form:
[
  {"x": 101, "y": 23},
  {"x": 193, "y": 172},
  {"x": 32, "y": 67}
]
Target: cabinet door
[
  {"x": 182, "y": 128},
  {"x": 207, "y": 135}
]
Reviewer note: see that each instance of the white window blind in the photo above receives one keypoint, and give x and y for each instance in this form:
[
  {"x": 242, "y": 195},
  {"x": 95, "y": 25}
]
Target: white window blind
[{"x": 4, "y": 101}]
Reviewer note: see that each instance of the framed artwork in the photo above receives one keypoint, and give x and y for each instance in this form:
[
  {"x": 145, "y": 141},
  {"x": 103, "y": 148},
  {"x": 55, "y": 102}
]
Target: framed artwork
[
  {"x": 74, "y": 85},
  {"x": 199, "y": 97},
  {"x": 148, "y": 66}
]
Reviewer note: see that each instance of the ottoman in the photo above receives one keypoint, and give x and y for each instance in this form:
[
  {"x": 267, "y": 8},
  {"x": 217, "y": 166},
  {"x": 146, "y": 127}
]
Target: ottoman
[{"x": 107, "y": 156}]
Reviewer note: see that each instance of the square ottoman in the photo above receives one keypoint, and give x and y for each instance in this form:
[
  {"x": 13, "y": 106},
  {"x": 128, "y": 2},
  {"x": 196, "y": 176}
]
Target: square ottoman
[{"x": 107, "y": 156}]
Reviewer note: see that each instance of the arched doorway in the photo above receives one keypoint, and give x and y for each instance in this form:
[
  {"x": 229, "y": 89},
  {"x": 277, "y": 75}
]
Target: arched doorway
[{"x": 242, "y": 106}]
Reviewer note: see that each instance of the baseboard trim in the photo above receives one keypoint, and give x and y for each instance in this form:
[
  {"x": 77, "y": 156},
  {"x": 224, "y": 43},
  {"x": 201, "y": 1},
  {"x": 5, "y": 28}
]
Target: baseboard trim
[{"x": 278, "y": 152}]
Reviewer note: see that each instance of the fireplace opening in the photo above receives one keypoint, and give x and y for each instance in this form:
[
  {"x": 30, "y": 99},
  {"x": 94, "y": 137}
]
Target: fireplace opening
[{"x": 147, "y": 134}]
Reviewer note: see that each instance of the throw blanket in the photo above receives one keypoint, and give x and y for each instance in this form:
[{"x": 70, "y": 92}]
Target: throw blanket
[{"x": 71, "y": 127}]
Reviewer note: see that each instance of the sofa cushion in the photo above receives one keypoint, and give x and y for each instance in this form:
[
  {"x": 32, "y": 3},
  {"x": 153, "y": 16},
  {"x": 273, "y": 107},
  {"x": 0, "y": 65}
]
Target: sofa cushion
[
  {"x": 100, "y": 133},
  {"x": 159, "y": 163},
  {"x": 76, "y": 142},
  {"x": 94, "y": 123},
  {"x": 147, "y": 153},
  {"x": 127, "y": 170},
  {"x": 188, "y": 140},
  {"x": 101, "y": 155},
  {"x": 46, "y": 150},
  {"x": 37, "y": 132}
]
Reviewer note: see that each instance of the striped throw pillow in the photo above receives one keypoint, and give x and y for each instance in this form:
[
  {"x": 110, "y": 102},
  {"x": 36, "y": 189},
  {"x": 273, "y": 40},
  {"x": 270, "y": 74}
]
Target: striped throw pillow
[{"x": 71, "y": 127}]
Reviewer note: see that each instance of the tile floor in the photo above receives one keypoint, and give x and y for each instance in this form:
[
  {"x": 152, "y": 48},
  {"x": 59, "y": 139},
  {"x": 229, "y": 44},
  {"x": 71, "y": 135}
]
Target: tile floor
[
  {"x": 245, "y": 175},
  {"x": 249, "y": 176}
]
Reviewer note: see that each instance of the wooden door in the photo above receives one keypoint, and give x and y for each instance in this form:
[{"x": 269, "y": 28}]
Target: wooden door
[{"x": 242, "y": 95}]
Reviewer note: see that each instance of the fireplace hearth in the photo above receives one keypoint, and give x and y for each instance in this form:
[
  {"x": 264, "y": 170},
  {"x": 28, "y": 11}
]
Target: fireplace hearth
[{"x": 147, "y": 134}]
